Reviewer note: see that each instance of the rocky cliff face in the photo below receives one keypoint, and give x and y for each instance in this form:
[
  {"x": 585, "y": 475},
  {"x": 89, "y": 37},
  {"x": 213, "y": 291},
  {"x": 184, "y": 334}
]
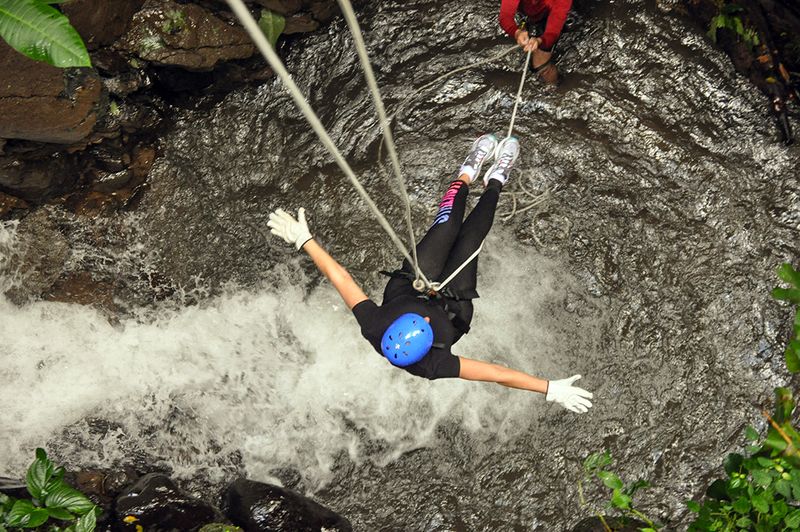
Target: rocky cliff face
[{"x": 87, "y": 137}]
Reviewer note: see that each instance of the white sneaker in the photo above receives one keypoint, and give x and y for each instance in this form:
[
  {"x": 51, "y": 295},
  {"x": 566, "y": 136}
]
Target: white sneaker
[
  {"x": 482, "y": 149},
  {"x": 507, "y": 152}
]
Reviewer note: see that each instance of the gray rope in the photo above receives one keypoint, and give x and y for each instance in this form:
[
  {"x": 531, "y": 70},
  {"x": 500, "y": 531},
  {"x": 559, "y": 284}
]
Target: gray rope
[
  {"x": 250, "y": 25},
  {"x": 519, "y": 94},
  {"x": 439, "y": 286},
  {"x": 358, "y": 39}
]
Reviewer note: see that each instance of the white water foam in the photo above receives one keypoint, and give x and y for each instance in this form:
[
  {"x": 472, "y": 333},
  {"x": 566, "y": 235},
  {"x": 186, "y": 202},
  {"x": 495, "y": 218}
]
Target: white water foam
[{"x": 265, "y": 379}]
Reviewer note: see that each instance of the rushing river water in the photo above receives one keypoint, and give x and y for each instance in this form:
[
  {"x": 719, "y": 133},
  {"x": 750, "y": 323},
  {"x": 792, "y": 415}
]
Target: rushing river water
[{"x": 665, "y": 206}]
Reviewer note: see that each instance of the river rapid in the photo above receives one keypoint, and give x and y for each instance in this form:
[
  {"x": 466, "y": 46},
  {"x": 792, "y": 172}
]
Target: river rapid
[{"x": 636, "y": 245}]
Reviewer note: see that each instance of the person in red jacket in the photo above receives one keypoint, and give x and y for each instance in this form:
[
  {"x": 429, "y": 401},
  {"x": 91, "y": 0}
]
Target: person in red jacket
[{"x": 549, "y": 16}]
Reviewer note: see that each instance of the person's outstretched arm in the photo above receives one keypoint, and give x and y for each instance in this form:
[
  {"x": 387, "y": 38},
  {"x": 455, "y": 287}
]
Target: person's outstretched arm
[
  {"x": 561, "y": 391},
  {"x": 296, "y": 232}
]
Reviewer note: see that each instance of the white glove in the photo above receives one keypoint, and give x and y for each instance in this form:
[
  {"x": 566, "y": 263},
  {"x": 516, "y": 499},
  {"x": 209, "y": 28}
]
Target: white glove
[
  {"x": 569, "y": 396},
  {"x": 283, "y": 224}
]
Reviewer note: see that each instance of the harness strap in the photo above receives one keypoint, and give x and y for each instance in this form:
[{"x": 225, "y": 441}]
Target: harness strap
[
  {"x": 441, "y": 298},
  {"x": 445, "y": 292}
]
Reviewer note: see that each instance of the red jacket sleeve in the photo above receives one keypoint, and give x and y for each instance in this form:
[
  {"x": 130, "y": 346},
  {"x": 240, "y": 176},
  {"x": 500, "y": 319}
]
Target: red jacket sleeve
[
  {"x": 508, "y": 8},
  {"x": 555, "y": 22}
]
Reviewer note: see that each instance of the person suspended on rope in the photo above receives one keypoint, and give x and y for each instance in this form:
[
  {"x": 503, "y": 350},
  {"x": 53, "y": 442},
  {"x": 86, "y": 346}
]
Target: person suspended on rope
[
  {"x": 414, "y": 331},
  {"x": 545, "y": 20}
]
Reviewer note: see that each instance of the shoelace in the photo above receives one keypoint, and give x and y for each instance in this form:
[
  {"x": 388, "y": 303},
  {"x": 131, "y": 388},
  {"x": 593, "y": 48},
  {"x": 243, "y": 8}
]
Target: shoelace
[{"x": 504, "y": 161}]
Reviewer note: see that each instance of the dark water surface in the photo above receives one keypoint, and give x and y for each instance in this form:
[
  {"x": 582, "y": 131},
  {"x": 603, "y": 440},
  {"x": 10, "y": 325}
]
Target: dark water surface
[{"x": 647, "y": 269}]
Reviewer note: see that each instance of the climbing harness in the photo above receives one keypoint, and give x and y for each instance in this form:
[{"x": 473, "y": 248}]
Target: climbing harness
[
  {"x": 421, "y": 283},
  {"x": 444, "y": 297}
]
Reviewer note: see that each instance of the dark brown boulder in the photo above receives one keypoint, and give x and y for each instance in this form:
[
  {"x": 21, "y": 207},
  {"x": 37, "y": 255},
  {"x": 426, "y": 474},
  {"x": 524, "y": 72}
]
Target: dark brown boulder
[
  {"x": 44, "y": 103},
  {"x": 155, "y": 503},
  {"x": 184, "y": 35},
  {"x": 257, "y": 506},
  {"x": 39, "y": 176},
  {"x": 100, "y": 22},
  {"x": 283, "y": 7},
  {"x": 300, "y": 24}
]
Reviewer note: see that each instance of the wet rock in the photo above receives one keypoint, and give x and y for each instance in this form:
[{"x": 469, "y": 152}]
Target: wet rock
[
  {"x": 47, "y": 104},
  {"x": 185, "y": 35},
  {"x": 283, "y": 7},
  {"x": 126, "y": 83},
  {"x": 324, "y": 10},
  {"x": 11, "y": 484},
  {"x": 258, "y": 506},
  {"x": 38, "y": 178},
  {"x": 100, "y": 22},
  {"x": 9, "y": 204},
  {"x": 40, "y": 261},
  {"x": 82, "y": 289},
  {"x": 102, "y": 486},
  {"x": 156, "y": 503},
  {"x": 300, "y": 24}
]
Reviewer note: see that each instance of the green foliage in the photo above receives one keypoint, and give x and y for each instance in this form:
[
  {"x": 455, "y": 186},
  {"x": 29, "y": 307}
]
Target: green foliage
[
  {"x": 272, "y": 24},
  {"x": 621, "y": 494},
  {"x": 176, "y": 21},
  {"x": 729, "y": 18},
  {"x": 51, "y": 498},
  {"x": 791, "y": 277},
  {"x": 41, "y": 32},
  {"x": 762, "y": 490}
]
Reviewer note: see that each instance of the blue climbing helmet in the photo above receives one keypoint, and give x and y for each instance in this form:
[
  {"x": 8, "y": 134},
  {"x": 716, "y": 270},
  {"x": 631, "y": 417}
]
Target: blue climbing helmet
[{"x": 407, "y": 340}]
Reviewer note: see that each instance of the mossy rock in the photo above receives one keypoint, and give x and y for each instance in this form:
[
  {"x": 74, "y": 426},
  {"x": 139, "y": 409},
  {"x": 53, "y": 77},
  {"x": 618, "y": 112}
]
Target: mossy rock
[{"x": 220, "y": 527}]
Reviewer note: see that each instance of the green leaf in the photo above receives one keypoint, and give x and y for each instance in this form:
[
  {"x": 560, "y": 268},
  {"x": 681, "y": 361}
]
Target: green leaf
[
  {"x": 42, "y": 33},
  {"x": 620, "y": 500},
  {"x": 760, "y": 504},
  {"x": 792, "y": 356},
  {"x": 761, "y": 478},
  {"x": 40, "y": 472},
  {"x": 791, "y": 295},
  {"x": 693, "y": 506},
  {"x": 784, "y": 488},
  {"x": 610, "y": 479},
  {"x": 60, "y": 513},
  {"x": 272, "y": 24},
  {"x": 64, "y": 496},
  {"x": 792, "y": 519},
  {"x": 789, "y": 275},
  {"x": 742, "y": 506},
  {"x": 24, "y": 514},
  {"x": 87, "y": 523},
  {"x": 6, "y": 503},
  {"x": 774, "y": 440},
  {"x": 779, "y": 510},
  {"x": 597, "y": 461},
  {"x": 764, "y": 462},
  {"x": 750, "y": 433},
  {"x": 744, "y": 522}
]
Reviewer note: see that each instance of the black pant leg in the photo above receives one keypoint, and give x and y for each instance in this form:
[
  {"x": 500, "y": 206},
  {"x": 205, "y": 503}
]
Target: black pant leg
[{"x": 435, "y": 246}]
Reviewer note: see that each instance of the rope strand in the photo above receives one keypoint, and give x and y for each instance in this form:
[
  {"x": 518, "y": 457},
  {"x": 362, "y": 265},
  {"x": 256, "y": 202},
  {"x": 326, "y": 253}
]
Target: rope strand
[
  {"x": 250, "y": 25},
  {"x": 358, "y": 38}
]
